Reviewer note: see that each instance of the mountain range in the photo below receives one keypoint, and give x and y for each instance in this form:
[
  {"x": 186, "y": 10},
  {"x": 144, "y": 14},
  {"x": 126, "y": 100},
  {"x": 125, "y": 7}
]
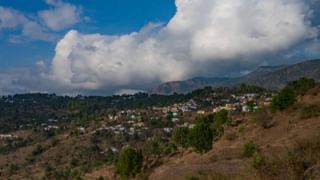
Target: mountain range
[{"x": 269, "y": 77}]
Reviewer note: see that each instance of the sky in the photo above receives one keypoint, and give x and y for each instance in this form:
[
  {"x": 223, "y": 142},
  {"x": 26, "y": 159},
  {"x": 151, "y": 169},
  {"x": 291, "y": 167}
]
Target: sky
[{"x": 104, "y": 47}]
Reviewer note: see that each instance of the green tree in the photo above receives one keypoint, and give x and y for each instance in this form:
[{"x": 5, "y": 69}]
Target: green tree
[
  {"x": 220, "y": 118},
  {"x": 201, "y": 137},
  {"x": 302, "y": 85},
  {"x": 180, "y": 136},
  {"x": 284, "y": 99},
  {"x": 129, "y": 162}
]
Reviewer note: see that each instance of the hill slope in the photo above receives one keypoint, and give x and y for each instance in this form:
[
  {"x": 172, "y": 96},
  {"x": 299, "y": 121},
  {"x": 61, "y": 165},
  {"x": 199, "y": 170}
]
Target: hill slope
[
  {"x": 284, "y": 146},
  {"x": 270, "y": 77},
  {"x": 280, "y": 77}
]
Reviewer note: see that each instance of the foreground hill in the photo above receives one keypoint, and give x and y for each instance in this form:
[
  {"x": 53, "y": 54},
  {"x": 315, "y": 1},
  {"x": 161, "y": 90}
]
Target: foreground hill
[
  {"x": 84, "y": 136},
  {"x": 285, "y": 146},
  {"x": 270, "y": 77}
]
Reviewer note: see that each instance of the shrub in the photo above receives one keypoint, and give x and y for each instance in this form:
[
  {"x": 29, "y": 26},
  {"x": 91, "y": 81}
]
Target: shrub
[
  {"x": 38, "y": 150},
  {"x": 264, "y": 119},
  {"x": 180, "y": 136},
  {"x": 129, "y": 162},
  {"x": 201, "y": 137},
  {"x": 249, "y": 149},
  {"x": 287, "y": 96},
  {"x": 258, "y": 161},
  {"x": 153, "y": 146},
  {"x": 283, "y": 100},
  {"x": 302, "y": 85},
  {"x": 310, "y": 111},
  {"x": 109, "y": 157},
  {"x": 296, "y": 163},
  {"x": 220, "y": 118}
]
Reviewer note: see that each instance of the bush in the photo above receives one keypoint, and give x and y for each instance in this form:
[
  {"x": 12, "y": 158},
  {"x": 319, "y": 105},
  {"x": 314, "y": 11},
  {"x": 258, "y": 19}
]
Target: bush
[
  {"x": 129, "y": 162},
  {"x": 283, "y": 100},
  {"x": 109, "y": 157},
  {"x": 258, "y": 162},
  {"x": 296, "y": 163},
  {"x": 38, "y": 150},
  {"x": 264, "y": 119},
  {"x": 249, "y": 149},
  {"x": 287, "y": 96},
  {"x": 220, "y": 118},
  {"x": 302, "y": 85},
  {"x": 153, "y": 147},
  {"x": 201, "y": 137},
  {"x": 310, "y": 111},
  {"x": 180, "y": 136}
]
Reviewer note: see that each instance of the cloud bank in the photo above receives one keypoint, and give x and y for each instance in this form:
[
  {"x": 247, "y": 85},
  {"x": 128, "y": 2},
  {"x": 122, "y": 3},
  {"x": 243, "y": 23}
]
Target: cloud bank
[
  {"x": 201, "y": 33},
  {"x": 204, "y": 37}
]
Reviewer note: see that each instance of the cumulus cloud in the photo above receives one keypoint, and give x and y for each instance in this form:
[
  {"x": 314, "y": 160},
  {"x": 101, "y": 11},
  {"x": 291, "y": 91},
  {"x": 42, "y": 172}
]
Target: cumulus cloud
[
  {"x": 226, "y": 29},
  {"x": 42, "y": 27},
  {"x": 61, "y": 16},
  {"x": 203, "y": 36},
  {"x": 30, "y": 29},
  {"x": 98, "y": 61}
]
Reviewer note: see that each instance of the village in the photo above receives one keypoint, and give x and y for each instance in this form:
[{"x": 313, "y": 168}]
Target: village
[{"x": 141, "y": 122}]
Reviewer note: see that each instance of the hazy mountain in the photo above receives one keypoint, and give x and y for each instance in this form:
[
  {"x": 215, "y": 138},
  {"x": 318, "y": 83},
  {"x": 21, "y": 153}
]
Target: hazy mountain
[
  {"x": 280, "y": 77},
  {"x": 188, "y": 85},
  {"x": 270, "y": 77}
]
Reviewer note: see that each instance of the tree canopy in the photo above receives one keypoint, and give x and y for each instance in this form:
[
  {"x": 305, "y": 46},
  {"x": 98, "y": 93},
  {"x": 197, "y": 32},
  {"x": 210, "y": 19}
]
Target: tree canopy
[
  {"x": 180, "y": 136},
  {"x": 201, "y": 137},
  {"x": 129, "y": 162}
]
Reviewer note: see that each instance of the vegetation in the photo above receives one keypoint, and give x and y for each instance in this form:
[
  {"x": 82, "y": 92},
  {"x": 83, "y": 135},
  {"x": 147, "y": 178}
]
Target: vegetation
[
  {"x": 297, "y": 163},
  {"x": 287, "y": 96},
  {"x": 180, "y": 136},
  {"x": 129, "y": 162},
  {"x": 310, "y": 111},
  {"x": 249, "y": 149},
  {"x": 301, "y": 86},
  {"x": 201, "y": 137},
  {"x": 104, "y": 125},
  {"x": 38, "y": 150},
  {"x": 157, "y": 147},
  {"x": 284, "y": 99}
]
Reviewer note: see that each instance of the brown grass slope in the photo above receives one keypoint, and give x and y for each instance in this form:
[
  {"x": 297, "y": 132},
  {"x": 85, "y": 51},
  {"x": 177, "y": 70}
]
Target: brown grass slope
[{"x": 289, "y": 148}]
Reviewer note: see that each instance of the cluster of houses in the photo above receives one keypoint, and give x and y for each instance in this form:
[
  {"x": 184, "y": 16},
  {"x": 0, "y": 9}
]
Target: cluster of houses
[
  {"x": 130, "y": 122},
  {"x": 189, "y": 106},
  {"x": 8, "y": 136},
  {"x": 243, "y": 103}
]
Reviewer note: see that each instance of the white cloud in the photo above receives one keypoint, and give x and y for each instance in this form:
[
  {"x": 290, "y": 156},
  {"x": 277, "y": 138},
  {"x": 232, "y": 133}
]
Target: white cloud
[
  {"x": 30, "y": 29},
  {"x": 44, "y": 26},
  {"x": 201, "y": 36},
  {"x": 97, "y": 61},
  {"x": 61, "y": 16},
  {"x": 226, "y": 29},
  {"x": 128, "y": 92},
  {"x": 10, "y": 18}
]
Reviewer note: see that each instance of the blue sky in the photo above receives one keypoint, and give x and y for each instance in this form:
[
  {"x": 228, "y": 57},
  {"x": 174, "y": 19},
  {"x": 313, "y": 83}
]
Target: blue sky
[
  {"x": 110, "y": 46},
  {"x": 106, "y": 17}
]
